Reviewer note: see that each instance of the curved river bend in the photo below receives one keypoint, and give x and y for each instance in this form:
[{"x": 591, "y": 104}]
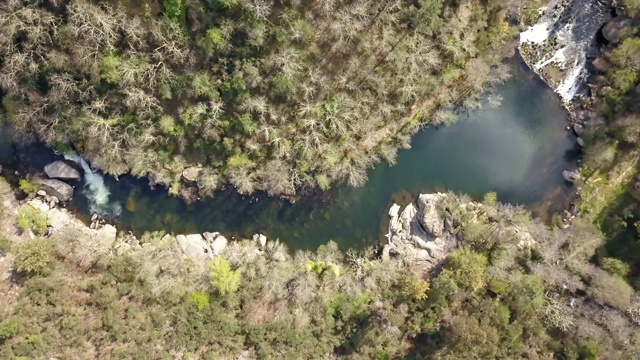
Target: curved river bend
[{"x": 517, "y": 150}]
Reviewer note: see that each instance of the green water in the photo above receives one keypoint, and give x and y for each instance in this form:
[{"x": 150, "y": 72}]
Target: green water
[{"x": 518, "y": 150}]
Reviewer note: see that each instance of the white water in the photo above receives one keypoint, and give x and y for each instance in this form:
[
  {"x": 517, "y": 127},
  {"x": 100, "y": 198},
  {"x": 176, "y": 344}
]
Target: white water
[
  {"x": 95, "y": 190},
  {"x": 564, "y": 41}
]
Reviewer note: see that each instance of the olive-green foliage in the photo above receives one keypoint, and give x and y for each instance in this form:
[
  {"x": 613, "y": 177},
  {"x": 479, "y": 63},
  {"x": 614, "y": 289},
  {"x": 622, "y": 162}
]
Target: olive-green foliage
[
  {"x": 32, "y": 218},
  {"x": 490, "y": 198},
  {"x": 467, "y": 268},
  {"x": 200, "y": 299},
  {"x": 223, "y": 280},
  {"x": 614, "y": 266},
  {"x": 414, "y": 288},
  {"x": 611, "y": 289},
  {"x": 28, "y": 187},
  {"x": 321, "y": 267},
  {"x": 34, "y": 256}
]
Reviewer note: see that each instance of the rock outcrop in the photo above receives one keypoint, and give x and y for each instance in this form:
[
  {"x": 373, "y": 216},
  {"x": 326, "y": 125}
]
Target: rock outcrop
[
  {"x": 62, "y": 170},
  {"x": 419, "y": 231},
  {"x": 57, "y": 188}
]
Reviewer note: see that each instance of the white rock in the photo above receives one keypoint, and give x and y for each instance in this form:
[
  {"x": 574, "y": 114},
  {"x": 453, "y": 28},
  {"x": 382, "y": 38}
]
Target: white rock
[
  {"x": 106, "y": 236},
  {"x": 195, "y": 247},
  {"x": 218, "y": 245},
  {"x": 58, "y": 218},
  {"x": 41, "y": 193}
]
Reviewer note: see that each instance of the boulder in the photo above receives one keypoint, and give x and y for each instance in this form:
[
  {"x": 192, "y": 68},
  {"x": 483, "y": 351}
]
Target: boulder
[
  {"x": 570, "y": 176},
  {"x": 218, "y": 245},
  {"x": 61, "y": 170},
  {"x": 58, "y": 218},
  {"x": 195, "y": 247},
  {"x": 39, "y": 204},
  {"x": 191, "y": 173},
  {"x": 580, "y": 141},
  {"x": 260, "y": 239},
  {"x": 432, "y": 209},
  {"x": 57, "y": 188},
  {"x": 106, "y": 236},
  {"x": 578, "y": 129},
  {"x": 616, "y": 29}
]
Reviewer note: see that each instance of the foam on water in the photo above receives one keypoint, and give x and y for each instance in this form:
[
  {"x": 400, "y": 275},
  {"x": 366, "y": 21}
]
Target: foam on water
[{"x": 95, "y": 190}]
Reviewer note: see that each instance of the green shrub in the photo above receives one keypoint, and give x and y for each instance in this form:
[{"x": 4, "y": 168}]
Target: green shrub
[
  {"x": 614, "y": 266},
  {"x": 28, "y": 187},
  {"x": 34, "y": 256},
  {"x": 490, "y": 198},
  {"x": 109, "y": 65},
  {"x": 467, "y": 268},
  {"x": 223, "y": 280},
  {"x": 200, "y": 298},
  {"x": 32, "y": 218},
  {"x": 8, "y": 329},
  {"x": 174, "y": 10},
  {"x": 5, "y": 244}
]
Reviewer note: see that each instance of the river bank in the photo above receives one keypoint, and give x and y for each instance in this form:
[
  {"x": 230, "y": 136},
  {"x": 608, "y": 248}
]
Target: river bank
[{"x": 518, "y": 150}]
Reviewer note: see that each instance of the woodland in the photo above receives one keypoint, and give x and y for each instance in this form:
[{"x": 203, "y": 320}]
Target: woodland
[
  {"x": 256, "y": 94},
  {"x": 286, "y": 95}
]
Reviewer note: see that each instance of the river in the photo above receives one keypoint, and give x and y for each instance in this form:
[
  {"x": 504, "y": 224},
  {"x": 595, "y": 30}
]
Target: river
[{"x": 517, "y": 150}]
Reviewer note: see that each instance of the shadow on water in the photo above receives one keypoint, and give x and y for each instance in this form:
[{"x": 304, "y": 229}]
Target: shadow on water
[{"x": 517, "y": 150}]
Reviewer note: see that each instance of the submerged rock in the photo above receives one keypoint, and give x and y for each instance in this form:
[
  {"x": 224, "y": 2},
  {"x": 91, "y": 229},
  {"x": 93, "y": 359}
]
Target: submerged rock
[
  {"x": 580, "y": 141},
  {"x": 57, "y": 188},
  {"x": 62, "y": 170}
]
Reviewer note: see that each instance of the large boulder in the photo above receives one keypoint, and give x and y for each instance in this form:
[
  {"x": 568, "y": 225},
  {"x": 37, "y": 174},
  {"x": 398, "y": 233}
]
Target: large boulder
[
  {"x": 62, "y": 170},
  {"x": 618, "y": 28},
  {"x": 191, "y": 173},
  {"x": 58, "y": 218},
  {"x": 432, "y": 208},
  {"x": 57, "y": 188},
  {"x": 106, "y": 236},
  {"x": 570, "y": 176},
  {"x": 195, "y": 247},
  {"x": 217, "y": 242}
]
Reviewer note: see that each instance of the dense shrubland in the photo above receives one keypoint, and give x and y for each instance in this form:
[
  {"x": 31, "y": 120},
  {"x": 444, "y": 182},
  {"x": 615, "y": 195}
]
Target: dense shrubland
[
  {"x": 609, "y": 192},
  {"x": 494, "y": 297},
  {"x": 270, "y": 95}
]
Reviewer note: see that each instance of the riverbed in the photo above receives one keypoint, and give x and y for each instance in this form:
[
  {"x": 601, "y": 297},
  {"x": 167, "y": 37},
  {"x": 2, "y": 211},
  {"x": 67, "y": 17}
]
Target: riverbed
[{"x": 518, "y": 150}]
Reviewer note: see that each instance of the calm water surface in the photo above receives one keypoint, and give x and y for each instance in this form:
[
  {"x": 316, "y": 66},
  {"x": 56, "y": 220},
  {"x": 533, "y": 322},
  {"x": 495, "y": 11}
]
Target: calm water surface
[{"x": 517, "y": 150}]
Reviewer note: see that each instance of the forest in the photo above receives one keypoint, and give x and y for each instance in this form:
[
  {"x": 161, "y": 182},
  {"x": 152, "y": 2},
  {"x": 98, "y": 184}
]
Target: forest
[
  {"x": 266, "y": 95},
  {"x": 288, "y": 95}
]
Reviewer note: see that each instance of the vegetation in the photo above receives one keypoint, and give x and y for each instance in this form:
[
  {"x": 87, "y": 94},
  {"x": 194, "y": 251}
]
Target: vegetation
[
  {"x": 609, "y": 194},
  {"x": 264, "y": 95},
  {"x": 30, "y": 218},
  {"x": 495, "y": 297}
]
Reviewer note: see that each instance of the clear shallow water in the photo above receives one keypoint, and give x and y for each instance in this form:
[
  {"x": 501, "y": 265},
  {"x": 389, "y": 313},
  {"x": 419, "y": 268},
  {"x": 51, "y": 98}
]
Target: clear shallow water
[{"x": 518, "y": 150}]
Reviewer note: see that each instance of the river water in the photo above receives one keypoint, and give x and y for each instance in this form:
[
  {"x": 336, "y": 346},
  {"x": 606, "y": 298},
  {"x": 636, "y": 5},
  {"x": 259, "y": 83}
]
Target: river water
[{"x": 517, "y": 150}]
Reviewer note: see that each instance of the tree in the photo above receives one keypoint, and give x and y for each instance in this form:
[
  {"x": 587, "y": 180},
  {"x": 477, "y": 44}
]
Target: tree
[
  {"x": 223, "y": 280},
  {"x": 467, "y": 268},
  {"x": 34, "y": 256}
]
